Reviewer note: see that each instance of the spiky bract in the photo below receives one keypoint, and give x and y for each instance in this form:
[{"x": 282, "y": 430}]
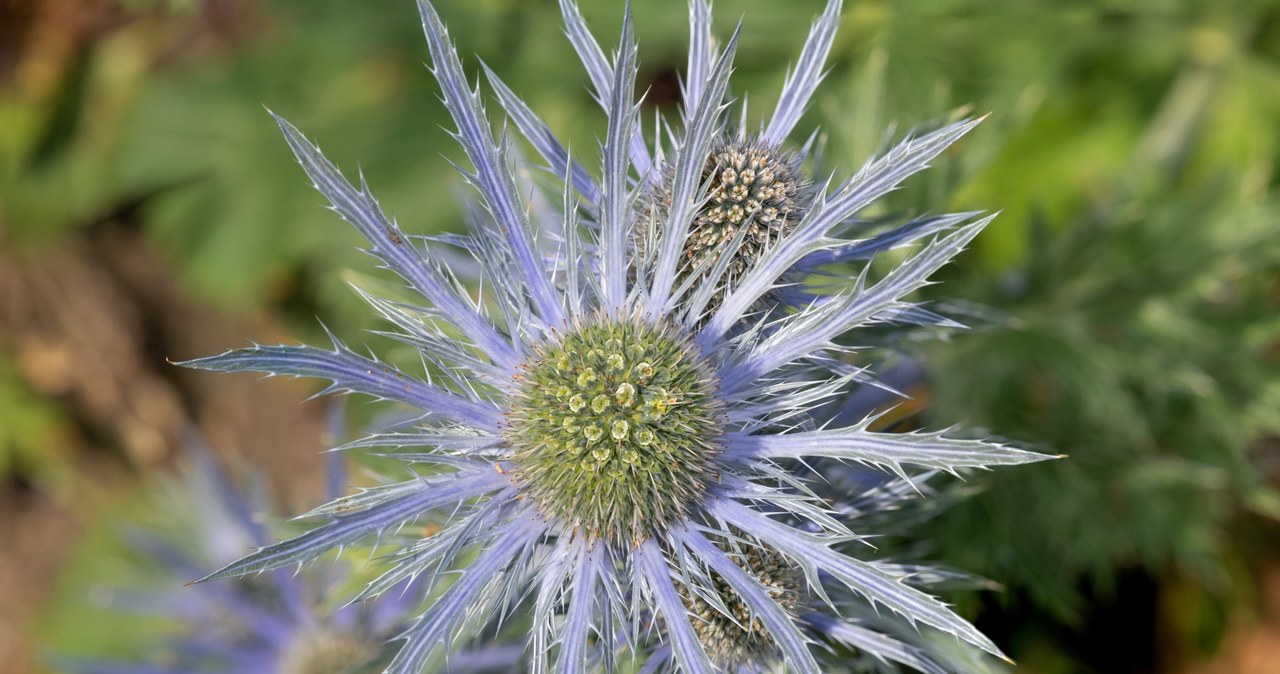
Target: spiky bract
[
  {"x": 278, "y": 622},
  {"x": 613, "y": 426}
]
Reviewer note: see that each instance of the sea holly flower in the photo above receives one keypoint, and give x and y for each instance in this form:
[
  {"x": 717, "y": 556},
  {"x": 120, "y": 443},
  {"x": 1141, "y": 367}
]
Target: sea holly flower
[
  {"x": 624, "y": 445},
  {"x": 276, "y": 623}
]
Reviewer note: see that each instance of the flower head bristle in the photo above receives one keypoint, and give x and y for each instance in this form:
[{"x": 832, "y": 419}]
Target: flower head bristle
[{"x": 614, "y": 427}]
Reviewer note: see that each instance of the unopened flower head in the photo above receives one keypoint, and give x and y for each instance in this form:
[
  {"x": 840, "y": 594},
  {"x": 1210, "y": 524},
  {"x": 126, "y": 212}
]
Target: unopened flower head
[
  {"x": 756, "y": 194},
  {"x": 328, "y": 652},
  {"x": 610, "y": 437},
  {"x": 726, "y": 625}
]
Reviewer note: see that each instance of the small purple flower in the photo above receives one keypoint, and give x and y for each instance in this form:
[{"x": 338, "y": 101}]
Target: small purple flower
[{"x": 619, "y": 433}]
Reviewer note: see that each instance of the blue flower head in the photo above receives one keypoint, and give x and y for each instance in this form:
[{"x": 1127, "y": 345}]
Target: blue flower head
[
  {"x": 276, "y": 623},
  {"x": 621, "y": 433}
]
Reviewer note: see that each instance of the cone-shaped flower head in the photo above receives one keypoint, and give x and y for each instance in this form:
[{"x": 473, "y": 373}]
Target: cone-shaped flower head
[
  {"x": 726, "y": 624},
  {"x": 755, "y": 194},
  {"x": 601, "y": 421},
  {"x": 614, "y": 427}
]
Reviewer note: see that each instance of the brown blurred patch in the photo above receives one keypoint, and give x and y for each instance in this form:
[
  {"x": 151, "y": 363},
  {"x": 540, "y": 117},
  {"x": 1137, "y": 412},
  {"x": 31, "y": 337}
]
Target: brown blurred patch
[
  {"x": 90, "y": 318},
  {"x": 40, "y": 40},
  {"x": 1252, "y": 646},
  {"x": 35, "y": 537},
  {"x": 90, "y": 321}
]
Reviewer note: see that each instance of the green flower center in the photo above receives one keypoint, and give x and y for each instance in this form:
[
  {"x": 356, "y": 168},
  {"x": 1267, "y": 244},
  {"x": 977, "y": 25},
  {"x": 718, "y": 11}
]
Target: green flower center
[
  {"x": 737, "y": 640},
  {"x": 614, "y": 426}
]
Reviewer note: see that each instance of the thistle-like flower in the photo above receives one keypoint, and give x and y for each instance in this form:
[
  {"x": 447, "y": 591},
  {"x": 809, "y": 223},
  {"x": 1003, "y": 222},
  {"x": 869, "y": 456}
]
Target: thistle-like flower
[
  {"x": 277, "y": 623},
  {"x": 623, "y": 439}
]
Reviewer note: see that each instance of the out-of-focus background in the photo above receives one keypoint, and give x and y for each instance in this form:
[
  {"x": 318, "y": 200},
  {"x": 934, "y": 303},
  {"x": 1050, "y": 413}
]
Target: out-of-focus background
[{"x": 1126, "y": 303}]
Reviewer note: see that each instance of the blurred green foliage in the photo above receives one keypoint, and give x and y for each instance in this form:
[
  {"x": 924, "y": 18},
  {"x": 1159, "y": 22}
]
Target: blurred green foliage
[
  {"x": 1130, "y": 285},
  {"x": 27, "y": 439},
  {"x": 1128, "y": 292}
]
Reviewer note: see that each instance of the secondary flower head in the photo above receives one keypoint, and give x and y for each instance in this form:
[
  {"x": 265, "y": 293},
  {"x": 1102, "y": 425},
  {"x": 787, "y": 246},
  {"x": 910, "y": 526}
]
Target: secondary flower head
[
  {"x": 726, "y": 624},
  {"x": 626, "y": 445},
  {"x": 755, "y": 193},
  {"x": 279, "y": 623}
]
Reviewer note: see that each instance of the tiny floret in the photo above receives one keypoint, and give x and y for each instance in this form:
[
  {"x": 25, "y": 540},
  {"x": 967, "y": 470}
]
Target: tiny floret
[{"x": 613, "y": 426}]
